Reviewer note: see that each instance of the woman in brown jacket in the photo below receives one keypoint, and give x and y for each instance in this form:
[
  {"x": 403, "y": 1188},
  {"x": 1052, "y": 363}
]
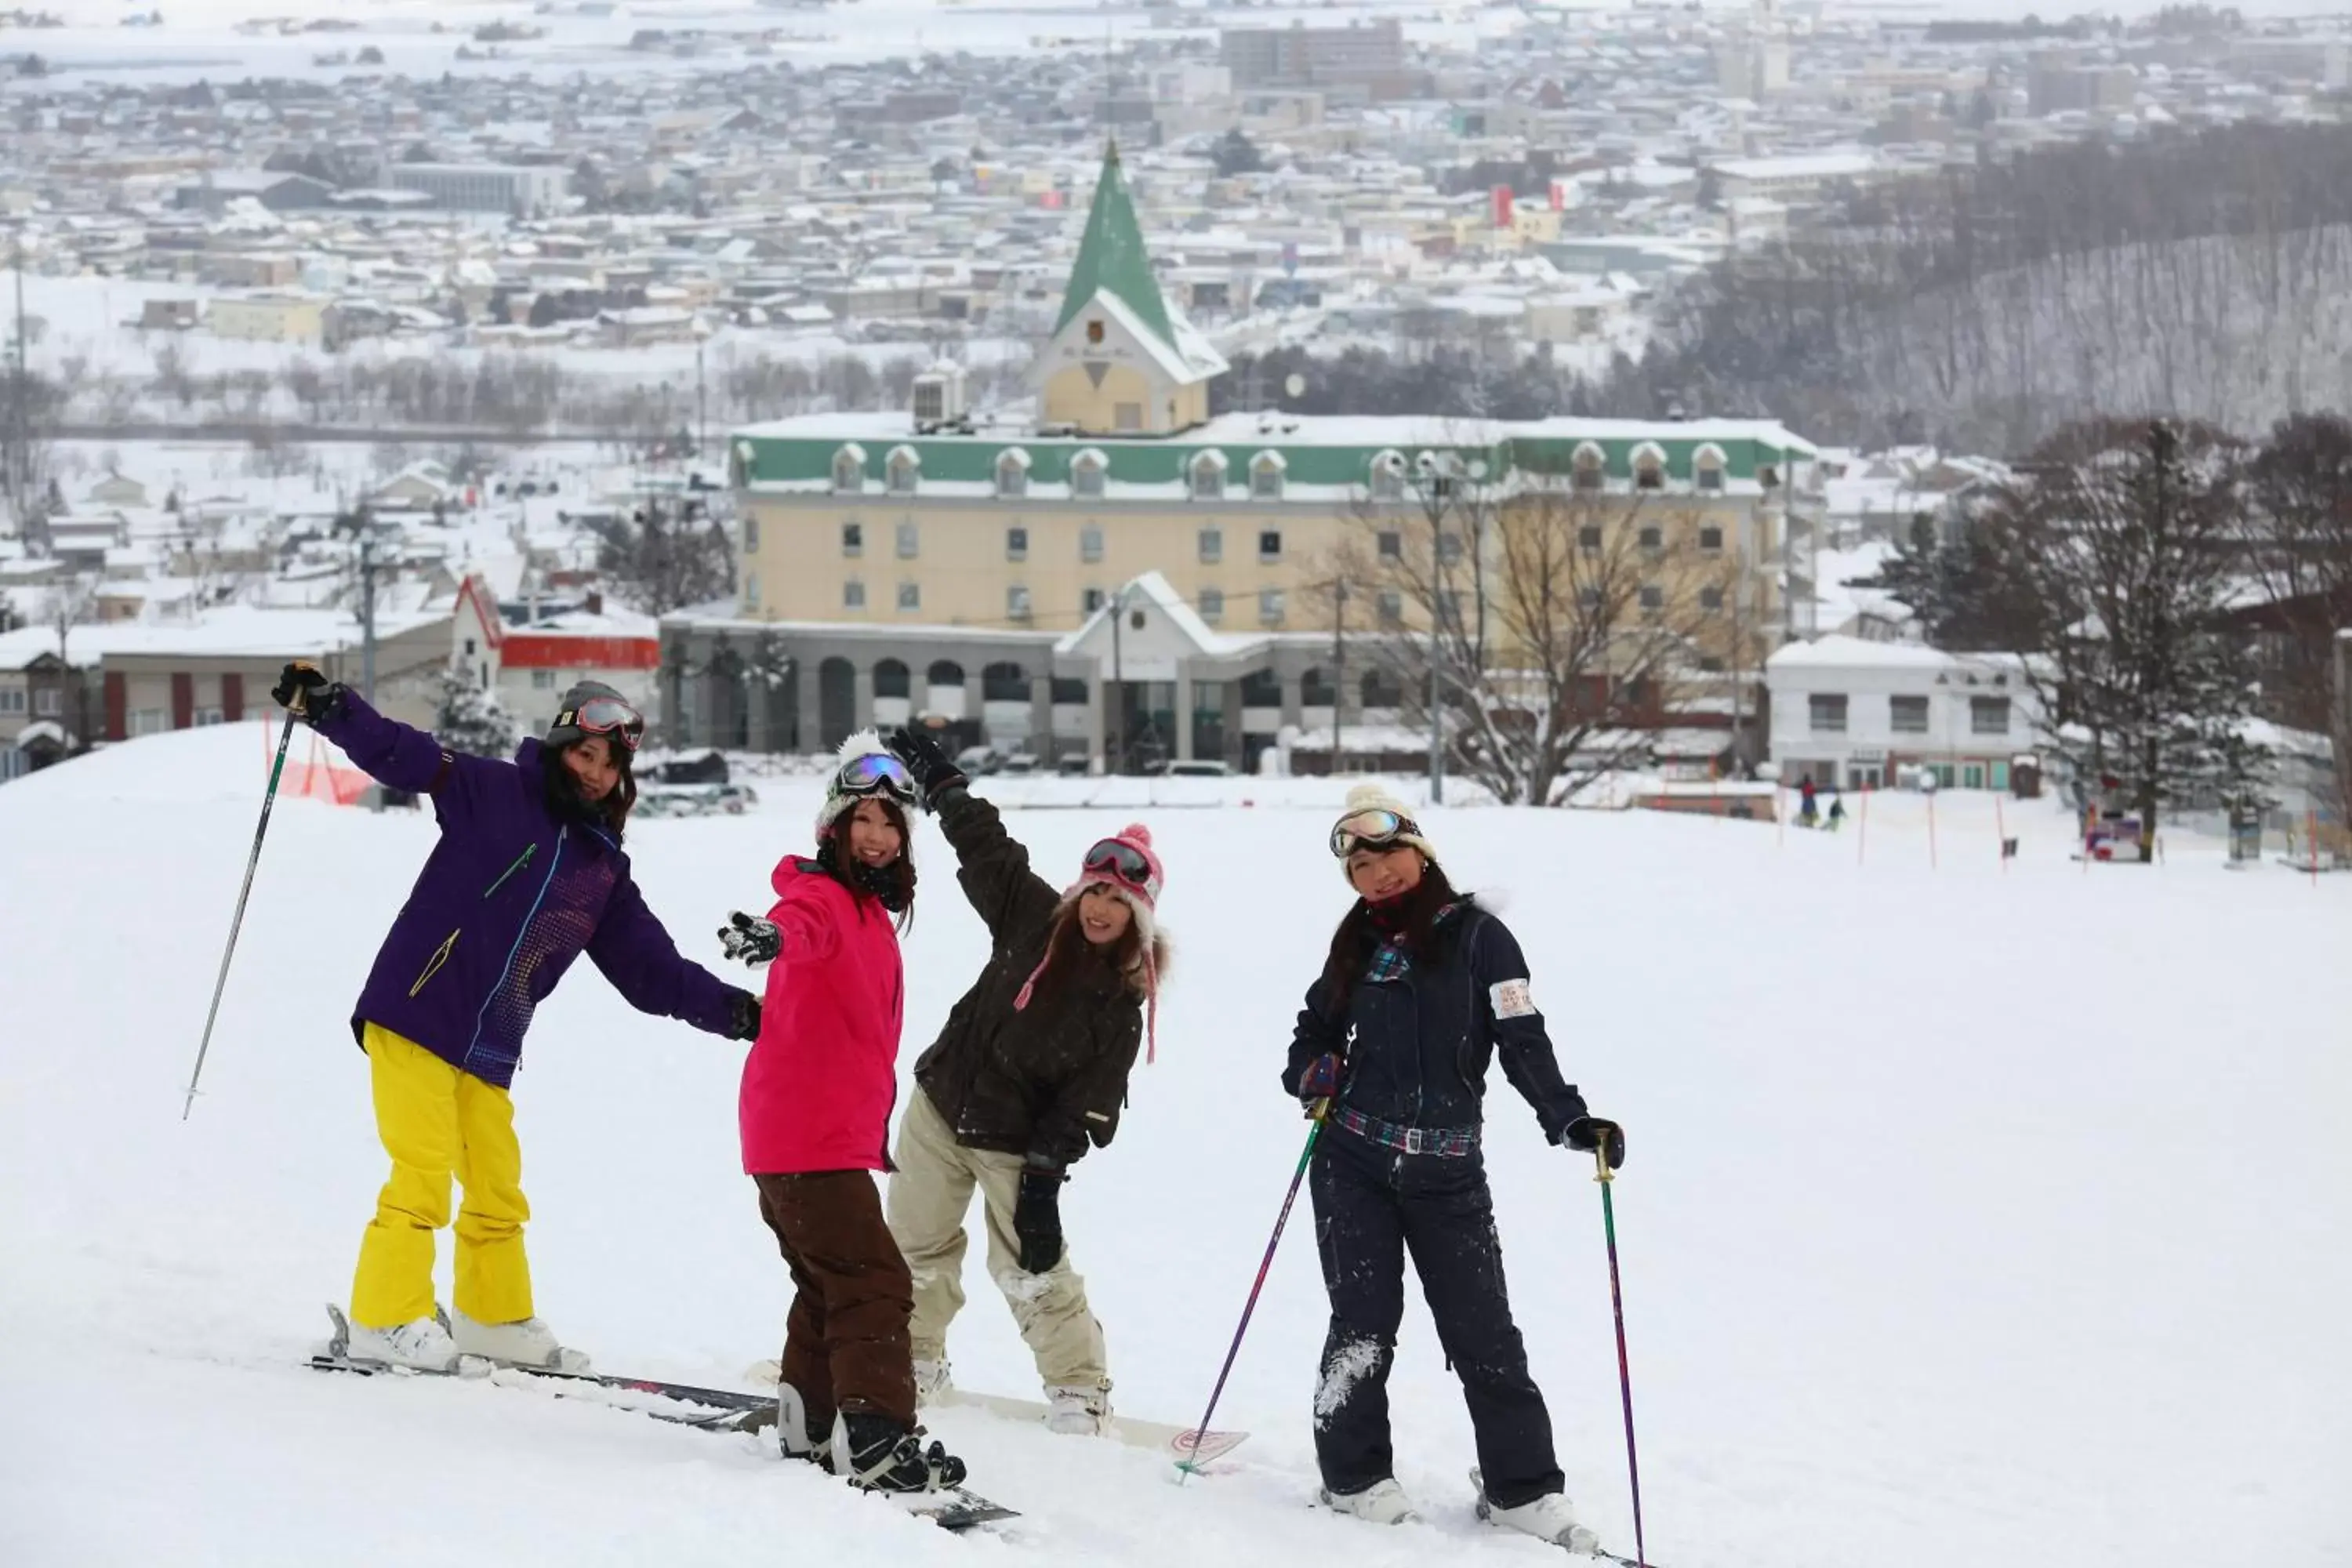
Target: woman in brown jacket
[{"x": 1029, "y": 1073}]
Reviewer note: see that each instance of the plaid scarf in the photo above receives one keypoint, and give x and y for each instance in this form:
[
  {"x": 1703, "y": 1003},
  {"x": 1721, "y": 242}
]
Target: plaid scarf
[{"x": 1393, "y": 959}]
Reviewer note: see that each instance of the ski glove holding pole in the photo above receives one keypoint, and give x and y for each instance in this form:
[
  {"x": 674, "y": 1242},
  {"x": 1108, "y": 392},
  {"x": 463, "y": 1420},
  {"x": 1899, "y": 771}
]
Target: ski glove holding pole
[
  {"x": 752, "y": 941},
  {"x": 933, "y": 770},
  {"x": 1037, "y": 1218},
  {"x": 1586, "y": 1134},
  {"x": 304, "y": 691},
  {"x": 1320, "y": 1081}
]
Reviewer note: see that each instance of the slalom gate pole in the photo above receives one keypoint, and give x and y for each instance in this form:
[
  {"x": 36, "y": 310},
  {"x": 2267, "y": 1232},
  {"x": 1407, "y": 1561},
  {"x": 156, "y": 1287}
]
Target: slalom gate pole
[
  {"x": 1322, "y": 1109},
  {"x": 236, "y": 921},
  {"x": 1624, "y": 1377}
]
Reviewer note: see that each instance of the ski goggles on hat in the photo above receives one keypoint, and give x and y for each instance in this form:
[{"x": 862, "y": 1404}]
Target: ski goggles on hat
[
  {"x": 1124, "y": 862},
  {"x": 876, "y": 774},
  {"x": 605, "y": 716},
  {"x": 1376, "y": 829}
]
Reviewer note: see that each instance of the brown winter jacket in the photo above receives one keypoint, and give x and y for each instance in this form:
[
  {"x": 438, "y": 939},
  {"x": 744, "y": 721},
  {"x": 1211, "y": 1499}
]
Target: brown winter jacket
[{"x": 1047, "y": 1080}]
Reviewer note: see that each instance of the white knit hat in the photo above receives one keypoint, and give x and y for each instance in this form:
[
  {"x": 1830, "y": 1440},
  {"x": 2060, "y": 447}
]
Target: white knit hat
[
  {"x": 1367, "y": 797},
  {"x": 839, "y": 802}
]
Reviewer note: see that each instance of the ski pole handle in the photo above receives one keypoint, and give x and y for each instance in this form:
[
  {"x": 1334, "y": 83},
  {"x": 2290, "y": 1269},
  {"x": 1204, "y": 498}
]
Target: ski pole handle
[{"x": 1601, "y": 1158}]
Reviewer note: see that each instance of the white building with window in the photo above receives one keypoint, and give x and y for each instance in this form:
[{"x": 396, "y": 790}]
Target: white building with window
[{"x": 1853, "y": 713}]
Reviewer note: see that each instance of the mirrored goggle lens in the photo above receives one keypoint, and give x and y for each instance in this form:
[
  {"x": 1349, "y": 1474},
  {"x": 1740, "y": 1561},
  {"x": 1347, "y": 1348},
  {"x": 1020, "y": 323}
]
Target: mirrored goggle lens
[
  {"x": 878, "y": 775},
  {"x": 1372, "y": 829},
  {"x": 610, "y": 716},
  {"x": 1122, "y": 861}
]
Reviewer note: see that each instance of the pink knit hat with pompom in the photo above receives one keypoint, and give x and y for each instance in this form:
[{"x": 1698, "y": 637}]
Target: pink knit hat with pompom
[{"x": 1143, "y": 898}]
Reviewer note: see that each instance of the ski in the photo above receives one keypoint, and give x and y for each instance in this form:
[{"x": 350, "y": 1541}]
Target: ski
[
  {"x": 1191, "y": 1450},
  {"x": 1591, "y": 1550}
]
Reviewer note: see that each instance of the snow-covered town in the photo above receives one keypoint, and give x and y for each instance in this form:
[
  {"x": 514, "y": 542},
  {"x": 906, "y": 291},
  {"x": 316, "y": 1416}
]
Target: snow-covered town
[{"x": 1795, "y": 556}]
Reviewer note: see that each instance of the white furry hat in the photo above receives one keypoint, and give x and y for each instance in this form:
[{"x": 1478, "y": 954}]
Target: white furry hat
[
  {"x": 838, "y": 802},
  {"x": 1367, "y": 797}
]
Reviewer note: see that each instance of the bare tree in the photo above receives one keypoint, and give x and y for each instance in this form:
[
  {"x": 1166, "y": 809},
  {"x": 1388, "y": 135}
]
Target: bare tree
[
  {"x": 2298, "y": 543},
  {"x": 1554, "y": 631}
]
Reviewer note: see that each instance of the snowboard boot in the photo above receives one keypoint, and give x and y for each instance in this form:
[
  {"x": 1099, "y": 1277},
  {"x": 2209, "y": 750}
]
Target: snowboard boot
[
  {"x": 1078, "y": 1410},
  {"x": 1383, "y": 1502},
  {"x": 933, "y": 1381},
  {"x": 796, "y": 1434},
  {"x": 424, "y": 1345},
  {"x": 1547, "y": 1518},
  {"x": 528, "y": 1342},
  {"x": 879, "y": 1454}
]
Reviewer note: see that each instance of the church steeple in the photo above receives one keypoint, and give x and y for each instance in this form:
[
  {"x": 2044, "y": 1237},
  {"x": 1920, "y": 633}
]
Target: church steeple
[{"x": 1115, "y": 325}]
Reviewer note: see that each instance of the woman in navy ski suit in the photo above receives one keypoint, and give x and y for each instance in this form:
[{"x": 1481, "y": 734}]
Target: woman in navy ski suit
[{"x": 1422, "y": 989}]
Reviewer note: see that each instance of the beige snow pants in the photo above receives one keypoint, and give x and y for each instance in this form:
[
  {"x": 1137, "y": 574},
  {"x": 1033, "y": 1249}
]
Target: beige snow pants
[{"x": 929, "y": 1194}]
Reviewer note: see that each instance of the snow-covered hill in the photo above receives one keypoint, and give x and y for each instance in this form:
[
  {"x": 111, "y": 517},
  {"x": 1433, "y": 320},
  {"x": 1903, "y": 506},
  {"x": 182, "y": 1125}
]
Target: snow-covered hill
[{"x": 1973, "y": 1218}]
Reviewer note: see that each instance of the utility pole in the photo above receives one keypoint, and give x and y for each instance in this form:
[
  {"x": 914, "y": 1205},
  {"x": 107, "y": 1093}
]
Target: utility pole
[
  {"x": 1116, "y": 762},
  {"x": 701, "y": 406},
  {"x": 367, "y": 608},
  {"x": 18, "y": 478},
  {"x": 1338, "y": 667}
]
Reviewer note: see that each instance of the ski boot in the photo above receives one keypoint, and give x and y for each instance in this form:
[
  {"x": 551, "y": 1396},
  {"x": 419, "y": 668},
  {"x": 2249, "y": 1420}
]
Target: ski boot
[
  {"x": 527, "y": 1344},
  {"x": 1547, "y": 1518},
  {"x": 424, "y": 1345},
  {"x": 879, "y": 1454},
  {"x": 1383, "y": 1502},
  {"x": 796, "y": 1434},
  {"x": 933, "y": 1381},
  {"x": 1078, "y": 1410}
]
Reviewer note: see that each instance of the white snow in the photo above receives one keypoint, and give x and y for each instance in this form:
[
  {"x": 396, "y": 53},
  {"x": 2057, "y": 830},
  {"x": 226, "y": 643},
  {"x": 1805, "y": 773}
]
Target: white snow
[{"x": 1974, "y": 1217}]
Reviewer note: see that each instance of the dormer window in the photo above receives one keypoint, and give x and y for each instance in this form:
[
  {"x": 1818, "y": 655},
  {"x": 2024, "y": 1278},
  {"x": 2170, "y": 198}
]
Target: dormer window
[
  {"x": 1388, "y": 475},
  {"x": 1266, "y": 475},
  {"x": 1706, "y": 468},
  {"x": 1087, "y": 472},
  {"x": 849, "y": 469},
  {"x": 1648, "y": 467},
  {"x": 905, "y": 468},
  {"x": 1206, "y": 476},
  {"x": 1013, "y": 472},
  {"x": 1591, "y": 467}
]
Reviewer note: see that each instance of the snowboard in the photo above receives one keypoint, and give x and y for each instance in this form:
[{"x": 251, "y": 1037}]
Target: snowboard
[
  {"x": 1189, "y": 1449},
  {"x": 1588, "y": 1547},
  {"x": 720, "y": 1410}
]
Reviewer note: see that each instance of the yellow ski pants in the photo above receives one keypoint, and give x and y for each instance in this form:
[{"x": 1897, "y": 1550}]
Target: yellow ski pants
[{"x": 436, "y": 1121}]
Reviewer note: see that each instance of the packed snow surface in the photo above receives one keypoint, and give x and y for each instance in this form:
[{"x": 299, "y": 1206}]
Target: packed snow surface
[{"x": 1973, "y": 1217}]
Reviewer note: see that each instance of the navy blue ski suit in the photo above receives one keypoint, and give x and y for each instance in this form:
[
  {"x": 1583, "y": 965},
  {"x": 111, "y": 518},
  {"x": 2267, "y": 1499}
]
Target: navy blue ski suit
[{"x": 1399, "y": 1169}]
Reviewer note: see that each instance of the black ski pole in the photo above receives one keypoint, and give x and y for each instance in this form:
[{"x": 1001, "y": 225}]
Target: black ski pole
[
  {"x": 237, "y": 922},
  {"x": 1200, "y": 1434},
  {"x": 1624, "y": 1377}
]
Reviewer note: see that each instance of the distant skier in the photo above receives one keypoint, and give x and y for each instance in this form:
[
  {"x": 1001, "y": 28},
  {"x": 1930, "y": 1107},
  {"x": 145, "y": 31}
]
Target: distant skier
[
  {"x": 815, "y": 1114},
  {"x": 1421, "y": 989},
  {"x": 527, "y": 874},
  {"x": 1807, "y": 815},
  {"x": 1030, "y": 1072},
  {"x": 1837, "y": 813}
]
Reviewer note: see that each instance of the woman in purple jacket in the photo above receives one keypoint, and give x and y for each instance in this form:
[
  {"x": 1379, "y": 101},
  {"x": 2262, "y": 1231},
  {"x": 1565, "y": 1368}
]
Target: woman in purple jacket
[{"x": 527, "y": 874}]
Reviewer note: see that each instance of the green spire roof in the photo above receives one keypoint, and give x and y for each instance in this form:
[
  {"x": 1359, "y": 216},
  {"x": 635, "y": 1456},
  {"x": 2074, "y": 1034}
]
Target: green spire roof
[{"x": 1112, "y": 259}]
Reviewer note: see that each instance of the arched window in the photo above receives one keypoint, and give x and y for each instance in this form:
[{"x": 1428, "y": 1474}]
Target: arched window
[
  {"x": 945, "y": 672},
  {"x": 905, "y": 468},
  {"x": 1087, "y": 471},
  {"x": 1649, "y": 467},
  {"x": 1266, "y": 475},
  {"x": 1591, "y": 467},
  {"x": 1381, "y": 689},
  {"x": 836, "y": 702},
  {"x": 1003, "y": 682},
  {"x": 1706, "y": 467},
  {"x": 1315, "y": 690},
  {"x": 1013, "y": 472},
  {"x": 1388, "y": 475},
  {"x": 1261, "y": 689},
  {"x": 892, "y": 678},
  {"x": 849, "y": 469},
  {"x": 1206, "y": 476}
]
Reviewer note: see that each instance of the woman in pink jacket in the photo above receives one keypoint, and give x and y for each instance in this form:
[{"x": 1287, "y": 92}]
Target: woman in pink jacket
[{"x": 818, "y": 1089}]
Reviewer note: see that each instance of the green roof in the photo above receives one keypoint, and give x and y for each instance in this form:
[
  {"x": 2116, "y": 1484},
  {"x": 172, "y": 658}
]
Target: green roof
[{"x": 1112, "y": 259}]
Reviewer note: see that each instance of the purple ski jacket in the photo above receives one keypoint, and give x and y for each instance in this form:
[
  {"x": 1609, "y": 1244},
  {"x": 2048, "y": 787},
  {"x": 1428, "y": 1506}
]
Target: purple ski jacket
[{"x": 508, "y": 897}]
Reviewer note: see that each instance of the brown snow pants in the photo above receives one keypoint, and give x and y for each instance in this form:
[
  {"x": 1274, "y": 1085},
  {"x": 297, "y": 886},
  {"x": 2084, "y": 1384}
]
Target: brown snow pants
[{"x": 845, "y": 1342}]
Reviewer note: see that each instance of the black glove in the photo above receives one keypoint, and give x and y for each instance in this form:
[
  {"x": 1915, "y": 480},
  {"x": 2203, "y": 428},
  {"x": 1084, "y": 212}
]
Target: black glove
[
  {"x": 1584, "y": 1135},
  {"x": 934, "y": 771},
  {"x": 751, "y": 941},
  {"x": 304, "y": 691},
  {"x": 746, "y": 1021},
  {"x": 1037, "y": 1218}
]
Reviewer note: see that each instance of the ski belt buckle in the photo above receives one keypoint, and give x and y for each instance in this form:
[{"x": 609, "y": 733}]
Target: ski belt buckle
[{"x": 1444, "y": 1142}]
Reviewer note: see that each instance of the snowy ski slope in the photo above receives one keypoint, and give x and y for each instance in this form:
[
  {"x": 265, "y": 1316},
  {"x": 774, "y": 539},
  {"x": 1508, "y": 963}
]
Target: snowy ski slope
[{"x": 1973, "y": 1219}]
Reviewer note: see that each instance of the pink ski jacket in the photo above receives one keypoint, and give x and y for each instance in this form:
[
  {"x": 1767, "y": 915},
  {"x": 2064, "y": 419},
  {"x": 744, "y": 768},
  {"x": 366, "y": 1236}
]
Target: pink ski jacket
[{"x": 822, "y": 1078}]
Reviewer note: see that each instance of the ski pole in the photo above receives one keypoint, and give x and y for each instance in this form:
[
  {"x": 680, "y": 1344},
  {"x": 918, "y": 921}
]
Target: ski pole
[
  {"x": 1624, "y": 1377},
  {"x": 1322, "y": 1109},
  {"x": 236, "y": 921}
]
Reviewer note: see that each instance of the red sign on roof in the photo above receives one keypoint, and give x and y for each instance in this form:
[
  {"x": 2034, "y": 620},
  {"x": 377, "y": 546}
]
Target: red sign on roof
[{"x": 559, "y": 650}]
